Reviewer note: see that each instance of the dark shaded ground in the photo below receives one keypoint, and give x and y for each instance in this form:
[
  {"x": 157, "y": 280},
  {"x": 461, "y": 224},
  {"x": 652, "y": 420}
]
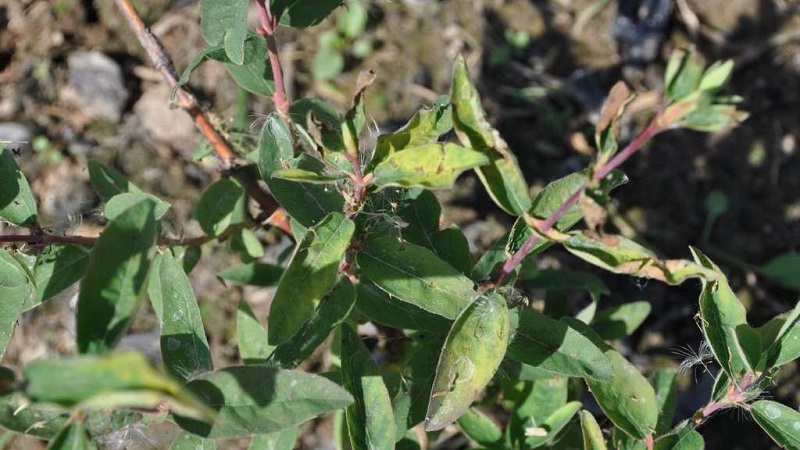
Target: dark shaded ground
[{"x": 543, "y": 69}]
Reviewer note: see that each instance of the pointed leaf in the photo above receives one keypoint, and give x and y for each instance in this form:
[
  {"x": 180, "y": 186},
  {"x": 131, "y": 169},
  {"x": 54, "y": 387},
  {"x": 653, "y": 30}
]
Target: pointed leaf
[
  {"x": 627, "y": 398},
  {"x": 310, "y": 275},
  {"x": 781, "y": 338},
  {"x": 71, "y": 437},
  {"x": 57, "y": 268},
  {"x": 108, "y": 182},
  {"x": 434, "y": 166},
  {"x": 619, "y": 254},
  {"x": 114, "y": 283},
  {"x": 16, "y": 199},
  {"x": 555, "y": 346},
  {"x": 184, "y": 347},
  {"x": 307, "y": 203},
  {"x": 307, "y": 176},
  {"x": 257, "y": 399},
  {"x": 684, "y": 439},
  {"x": 415, "y": 275},
  {"x": 537, "y": 435},
  {"x": 16, "y": 290},
  {"x": 222, "y": 205},
  {"x": 225, "y": 23},
  {"x": 722, "y": 313},
  {"x": 481, "y": 429},
  {"x": 301, "y": 14},
  {"x": 385, "y": 309},
  {"x": 251, "y": 336},
  {"x": 783, "y": 270},
  {"x": 120, "y": 202},
  {"x": 620, "y": 321},
  {"x": 534, "y": 401},
  {"x": 424, "y": 128},
  {"x": 592, "y": 434},
  {"x": 253, "y": 274},
  {"x": 123, "y": 379},
  {"x": 370, "y": 420},
  {"x": 18, "y": 413},
  {"x": 472, "y": 352},
  {"x": 780, "y": 422},
  {"x": 332, "y": 311},
  {"x": 663, "y": 382},
  {"x": 502, "y": 178}
]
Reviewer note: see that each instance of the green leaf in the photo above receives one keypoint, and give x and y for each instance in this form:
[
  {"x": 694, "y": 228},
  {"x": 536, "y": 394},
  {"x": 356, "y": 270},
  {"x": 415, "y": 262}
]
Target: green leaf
[
  {"x": 481, "y": 429},
  {"x": 780, "y": 422},
  {"x": 222, "y": 205},
  {"x": 115, "y": 280},
  {"x": 420, "y": 350},
  {"x": 721, "y": 314},
  {"x": 310, "y": 275},
  {"x": 120, "y": 202},
  {"x": 370, "y": 419},
  {"x": 184, "y": 347},
  {"x": 627, "y": 398},
  {"x": 555, "y": 346},
  {"x": 425, "y": 127},
  {"x": 307, "y": 203},
  {"x": 332, "y": 311},
  {"x": 565, "y": 279},
  {"x": 307, "y": 176},
  {"x": 251, "y": 337},
  {"x": 685, "y": 438},
  {"x": 328, "y": 60},
  {"x": 592, "y": 434},
  {"x": 257, "y": 399},
  {"x": 623, "y": 441},
  {"x": 502, "y": 178},
  {"x": 415, "y": 275},
  {"x": 247, "y": 245},
  {"x": 621, "y": 255},
  {"x": 683, "y": 74},
  {"x": 122, "y": 379},
  {"x": 301, "y": 14},
  {"x": 541, "y": 434},
  {"x": 663, "y": 382},
  {"x": 58, "y": 267},
  {"x": 385, "y": 309},
  {"x": 783, "y": 270},
  {"x": 434, "y": 166},
  {"x": 533, "y": 402},
  {"x": 781, "y": 338},
  {"x": 254, "y": 74},
  {"x": 189, "y": 441},
  {"x": 716, "y": 76},
  {"x": 71, "y": 437},
  {"x": 472, "y": 352},
  {"x": 353, "y": 19},
  {"x": 279, "y": 440},
  {"x": 18, "y": 413},
  {"x": 16, "y": 290},
  {"x": 225, "y": 23},
  {"x": 16, "y": 199},
  {"x": 253, "y": 274},
  {"x": 620, "y": 321},
  {"x": 420, "y": 211},
  {"x": 109, "y": 182}
]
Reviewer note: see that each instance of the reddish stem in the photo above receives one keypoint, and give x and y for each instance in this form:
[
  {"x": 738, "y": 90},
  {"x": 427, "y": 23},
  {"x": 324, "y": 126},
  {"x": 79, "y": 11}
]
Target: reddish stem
[
  {"x": 269, "y": 24},
  {"x": 601, "y": 172}
]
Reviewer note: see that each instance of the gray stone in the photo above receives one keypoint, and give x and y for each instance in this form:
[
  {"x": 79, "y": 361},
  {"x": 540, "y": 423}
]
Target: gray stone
[
  {"x": 15, "y": 135},
  {"x": 95, "y": 86},
  {"x": 163, "y": 123}
]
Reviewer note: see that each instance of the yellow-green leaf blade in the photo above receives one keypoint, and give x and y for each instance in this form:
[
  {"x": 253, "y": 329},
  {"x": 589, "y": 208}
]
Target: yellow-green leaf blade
[
  {"x": 433, "y": 166},
  {"x": 16, "y": 199}
]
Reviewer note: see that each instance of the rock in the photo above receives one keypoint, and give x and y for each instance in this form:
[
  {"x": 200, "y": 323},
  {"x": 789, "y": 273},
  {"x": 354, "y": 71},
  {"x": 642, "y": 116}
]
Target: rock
[
  {"x": 163, "y": 123},
  {"x": 15, "y": 135},
  {"x": 95, "y": 86}
]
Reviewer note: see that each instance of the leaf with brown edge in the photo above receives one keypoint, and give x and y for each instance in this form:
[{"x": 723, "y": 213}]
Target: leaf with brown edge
[{"x": 621, "y": 255}]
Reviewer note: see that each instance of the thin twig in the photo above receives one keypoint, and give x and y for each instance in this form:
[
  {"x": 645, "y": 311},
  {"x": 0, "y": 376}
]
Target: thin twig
[
  {"x": 601, "y": 172},
  {"x": 186, "y": 101}
]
